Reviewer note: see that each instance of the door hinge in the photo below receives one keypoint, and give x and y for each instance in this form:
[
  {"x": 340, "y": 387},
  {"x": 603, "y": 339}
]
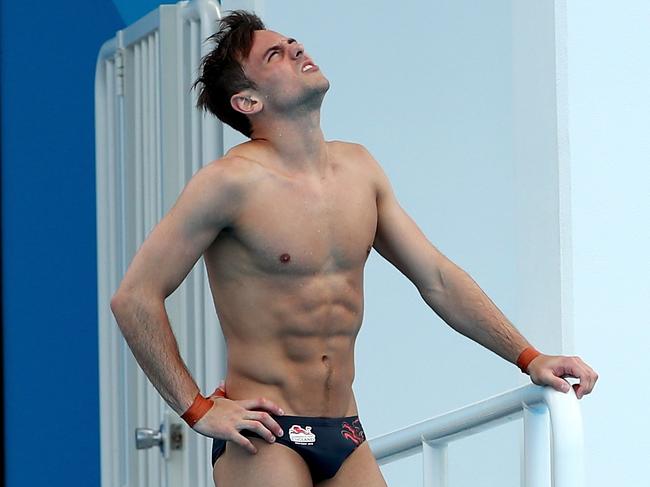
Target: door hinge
[{"x": 119, "y": 72}]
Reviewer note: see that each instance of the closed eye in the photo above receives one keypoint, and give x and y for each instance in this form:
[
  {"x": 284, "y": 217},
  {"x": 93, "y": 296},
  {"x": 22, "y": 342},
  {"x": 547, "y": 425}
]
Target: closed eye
[{"x": 276, "y": 49}]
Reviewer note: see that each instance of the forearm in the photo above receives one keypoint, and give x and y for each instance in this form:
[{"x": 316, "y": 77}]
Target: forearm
[
  {"x": 147, "y": 331},
  {"x": 463, "y": 305}
]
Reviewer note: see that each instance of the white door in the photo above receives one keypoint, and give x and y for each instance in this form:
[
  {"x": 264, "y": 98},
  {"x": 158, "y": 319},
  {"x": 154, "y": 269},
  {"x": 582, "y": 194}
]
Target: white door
[{"x": 149, "y": 141}]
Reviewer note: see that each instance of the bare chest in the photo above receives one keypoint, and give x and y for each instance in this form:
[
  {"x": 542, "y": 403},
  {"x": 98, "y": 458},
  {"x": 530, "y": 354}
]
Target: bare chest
[{"x": 299, "y": 227}]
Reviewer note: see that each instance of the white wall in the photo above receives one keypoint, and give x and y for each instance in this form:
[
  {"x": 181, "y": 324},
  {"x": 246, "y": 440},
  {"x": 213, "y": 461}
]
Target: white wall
[
  {"x": 609, "y": 114},
  {"x": 458, "y": 102}
]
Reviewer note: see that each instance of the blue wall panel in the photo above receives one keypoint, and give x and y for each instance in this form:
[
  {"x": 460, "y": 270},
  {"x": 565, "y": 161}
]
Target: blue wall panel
[{"x": 50, "y": 367}]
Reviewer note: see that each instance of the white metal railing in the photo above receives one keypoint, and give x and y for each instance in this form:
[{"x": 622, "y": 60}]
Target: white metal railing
[
  {"x": 553, "y": 438},
  {"x": 150, "y": 140}
]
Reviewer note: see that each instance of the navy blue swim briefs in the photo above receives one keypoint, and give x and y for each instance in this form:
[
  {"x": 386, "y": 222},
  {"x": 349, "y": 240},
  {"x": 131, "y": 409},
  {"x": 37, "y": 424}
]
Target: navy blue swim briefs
[{"x": 324, "y": 443}]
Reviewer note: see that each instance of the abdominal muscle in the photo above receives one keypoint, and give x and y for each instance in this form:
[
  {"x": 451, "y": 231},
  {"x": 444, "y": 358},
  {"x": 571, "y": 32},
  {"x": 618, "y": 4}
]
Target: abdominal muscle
[
  {"x": 291, "y": 339},
  {"x": 287, "y": 282}
]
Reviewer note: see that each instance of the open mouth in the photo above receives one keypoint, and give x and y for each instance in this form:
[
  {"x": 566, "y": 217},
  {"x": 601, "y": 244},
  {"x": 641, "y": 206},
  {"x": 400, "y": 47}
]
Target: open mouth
[{"x": 309, "y": 67}]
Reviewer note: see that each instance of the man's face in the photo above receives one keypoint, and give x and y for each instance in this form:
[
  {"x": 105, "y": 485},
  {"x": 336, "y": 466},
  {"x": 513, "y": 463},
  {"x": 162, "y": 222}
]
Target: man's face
[{"x": 280, "y": 68}]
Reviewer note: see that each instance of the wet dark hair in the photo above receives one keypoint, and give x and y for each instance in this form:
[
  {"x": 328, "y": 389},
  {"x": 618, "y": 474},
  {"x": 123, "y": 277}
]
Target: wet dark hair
[{"x": 221, "y": 72}]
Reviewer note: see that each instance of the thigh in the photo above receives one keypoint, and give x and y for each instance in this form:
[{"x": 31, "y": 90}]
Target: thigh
[
  {"x": 274, "y": 465},
  {"x": 360, "y": 469}
]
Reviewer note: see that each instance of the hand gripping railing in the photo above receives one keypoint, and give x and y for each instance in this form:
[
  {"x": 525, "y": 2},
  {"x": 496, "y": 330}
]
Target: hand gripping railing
[{"x": 552, "y": 427}]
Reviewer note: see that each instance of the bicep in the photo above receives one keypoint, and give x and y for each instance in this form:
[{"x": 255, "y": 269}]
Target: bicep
[
  {"x": 205, "y": 206},
  {"x": 400, "y": 241}
]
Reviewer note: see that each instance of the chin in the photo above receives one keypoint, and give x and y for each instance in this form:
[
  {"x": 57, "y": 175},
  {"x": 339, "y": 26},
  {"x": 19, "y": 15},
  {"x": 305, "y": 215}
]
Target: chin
[
  {"x": 327, "y": 84},
  {"x": 323, "y": 86},
  {"x": 310, "y": 97},
  {"x": 325, "y": 81},
  {"x": 313, "y": 96}
]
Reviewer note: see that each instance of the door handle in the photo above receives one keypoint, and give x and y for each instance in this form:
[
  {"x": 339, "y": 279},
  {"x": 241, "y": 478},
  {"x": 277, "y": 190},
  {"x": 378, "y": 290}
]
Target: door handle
[
  {"x": 169, "y": 436},
  {"x": 146, "y": 438}
]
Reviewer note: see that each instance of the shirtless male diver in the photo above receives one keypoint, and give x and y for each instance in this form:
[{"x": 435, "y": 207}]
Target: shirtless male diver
[{"x": 285, "y": 222}]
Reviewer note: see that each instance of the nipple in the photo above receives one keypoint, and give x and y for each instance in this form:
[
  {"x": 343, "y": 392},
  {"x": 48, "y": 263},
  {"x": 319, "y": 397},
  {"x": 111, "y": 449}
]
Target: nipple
[{"x": 284, "y": 258}]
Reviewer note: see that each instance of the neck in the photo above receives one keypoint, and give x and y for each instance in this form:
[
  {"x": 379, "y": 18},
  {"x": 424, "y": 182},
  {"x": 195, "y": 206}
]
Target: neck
[{"x": 297, "y": 141}]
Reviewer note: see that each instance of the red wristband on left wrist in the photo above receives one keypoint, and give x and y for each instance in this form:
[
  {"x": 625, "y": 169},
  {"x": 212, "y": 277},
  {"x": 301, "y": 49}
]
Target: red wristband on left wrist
[{"x": 525, "y": 357}]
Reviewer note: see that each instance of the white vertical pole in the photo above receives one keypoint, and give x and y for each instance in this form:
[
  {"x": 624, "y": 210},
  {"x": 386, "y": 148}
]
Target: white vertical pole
[
  {"x": 568, "y": 440},
  {"x": 211, "y": 140},
  {"x": 213, "y": 341},
  {"x": 134, "y": 197},
  {"x": 122, "y": 387},
  {"x": 153, "y": 398},
  {"x": 537, "y": 443},
  {"x": 434, "y": 463}
]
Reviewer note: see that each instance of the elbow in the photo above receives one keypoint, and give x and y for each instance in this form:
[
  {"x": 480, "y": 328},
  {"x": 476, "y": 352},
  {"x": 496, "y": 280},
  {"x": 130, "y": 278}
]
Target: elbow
[
  {"x": 436, "y": 285},
  {"x": 122, "y": 307},
  {"x": 118, "y": 302},
  {"x": 126, "y": 301},
  {"x": 431, "y": 294},
  {"x": 128, "y": 293}
]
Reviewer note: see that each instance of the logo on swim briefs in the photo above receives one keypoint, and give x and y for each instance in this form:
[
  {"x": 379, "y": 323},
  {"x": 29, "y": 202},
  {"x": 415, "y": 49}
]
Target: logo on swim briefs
[
  {"x": 302, "y": 436},
  {"x": 353, "y": 432}
]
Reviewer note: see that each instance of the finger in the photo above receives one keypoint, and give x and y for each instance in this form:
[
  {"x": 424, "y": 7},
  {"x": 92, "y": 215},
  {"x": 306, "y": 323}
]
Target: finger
[
  {"x": 261, "y": 402},
  {"x": 581, "y": 372},
  {"x": 558, "y": 383},
  {"x": 593, "y": 377},
  {"x": 258, "y": 428},
  {"x": 267, "y": 420},
  {"x": 570, "y": 367},
  {"x": 587, "y": 383},
  {"x": 580, "y": 390},
  {"x": 580, "y": 387},
  {"x": 575, "y": 389},
  {"x": 244, "y": 443}
]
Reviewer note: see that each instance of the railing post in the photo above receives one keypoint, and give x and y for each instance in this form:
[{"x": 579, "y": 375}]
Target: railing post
[
  {"x": 434, "y": 463},
  {"x": 536, "y": 461},
  {"x": 568, "y": 446},
  {"x": 552, "y": 444}
]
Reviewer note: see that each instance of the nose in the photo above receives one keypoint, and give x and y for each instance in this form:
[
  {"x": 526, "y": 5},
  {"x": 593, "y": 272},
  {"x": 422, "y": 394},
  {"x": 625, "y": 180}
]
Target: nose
[{"x": 297, "y": 49}]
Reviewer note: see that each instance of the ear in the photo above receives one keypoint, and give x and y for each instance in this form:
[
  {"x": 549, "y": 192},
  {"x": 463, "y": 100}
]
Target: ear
[{"x": 246, "y": 103}]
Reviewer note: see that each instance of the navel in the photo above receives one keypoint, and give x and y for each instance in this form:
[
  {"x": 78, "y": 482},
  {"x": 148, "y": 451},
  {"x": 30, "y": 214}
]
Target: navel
[
  {"x": 284, "y": 258},
  {"x": 328, "y": 378}
]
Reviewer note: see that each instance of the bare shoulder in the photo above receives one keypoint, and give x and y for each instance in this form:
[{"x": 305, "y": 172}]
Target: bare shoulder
[
  {"x": 349, "y": 148},
  {"x": 230, "y": 173},
  {"x": 353, "y": 152},
  {"x": 246, "y": 160},
  {"x": 231, "y": 165},
  {"x": 359, "y": 155},
  {"x": 218, "y": 189}
]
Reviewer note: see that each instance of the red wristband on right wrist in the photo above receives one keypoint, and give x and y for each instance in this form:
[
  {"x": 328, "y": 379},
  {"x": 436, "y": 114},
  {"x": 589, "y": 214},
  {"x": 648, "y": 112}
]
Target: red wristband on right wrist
[
  {"x": 525, "y": 357},
  {"x": 219, "y": 392},
  {"x": 197, "y": 410}
]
